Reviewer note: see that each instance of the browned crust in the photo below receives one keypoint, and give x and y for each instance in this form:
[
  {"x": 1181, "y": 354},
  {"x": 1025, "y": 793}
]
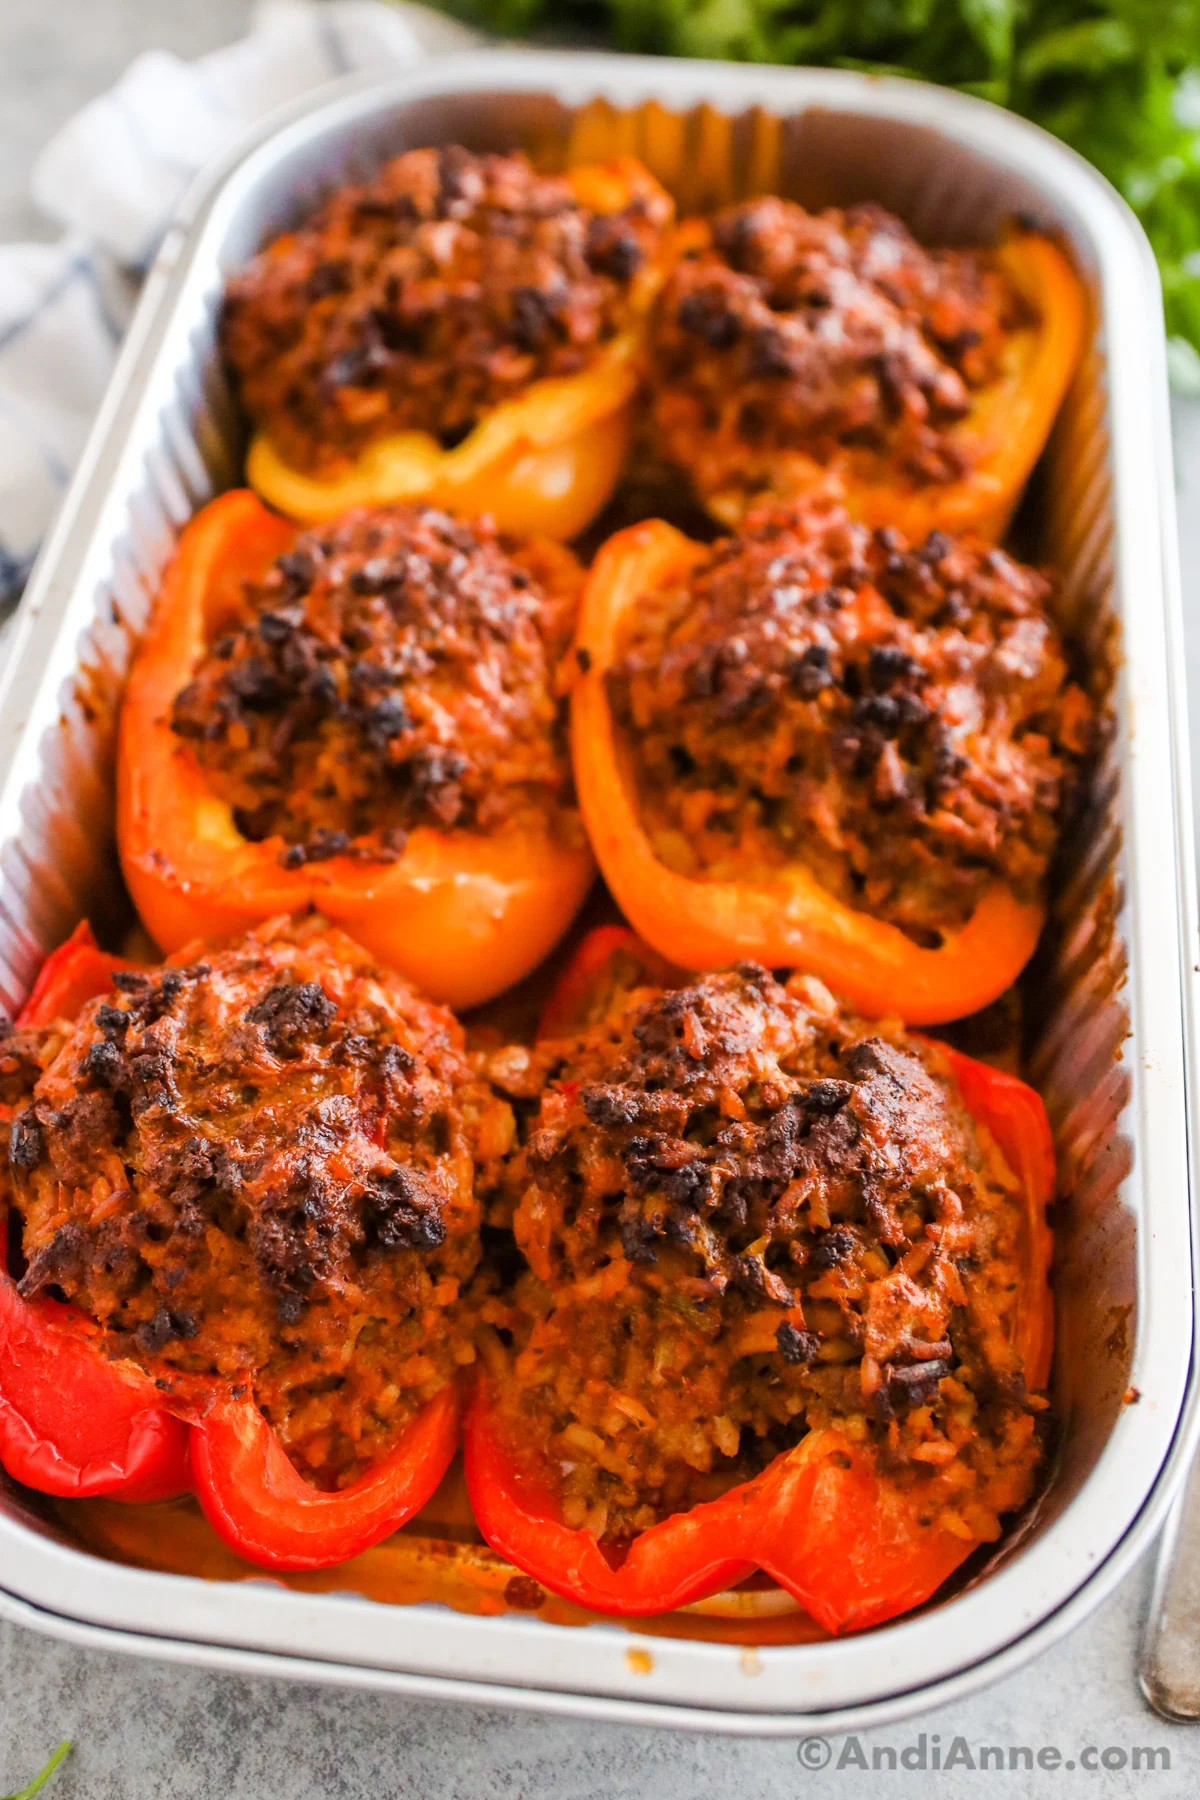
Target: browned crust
[
  {"x": 426, "y": 296},
  {"x": 395, "y": 668},
  {"x": 745, "y": 1216},
  {"x": 258, "y": 1166},
  {"x": 900, "y": 719}
]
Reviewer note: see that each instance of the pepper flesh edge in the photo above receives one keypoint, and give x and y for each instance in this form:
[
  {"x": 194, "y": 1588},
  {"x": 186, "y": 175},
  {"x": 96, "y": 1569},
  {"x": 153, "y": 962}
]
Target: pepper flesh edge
[
  {"x": 78, "y": 971},
  {"x": 1004, "y": 431},
  {"x": 811, "y": 1521},
  {"x": 256, "y": 1501},
  {"x": 462, "y": 915},
  {"x": 1015, "y": 1114},
  {"x": 788, "y": 922},
  {"x": 73, "y": 1423},
  {"x": 531, "y": 481},
  {"x": 542, "y": 463}
]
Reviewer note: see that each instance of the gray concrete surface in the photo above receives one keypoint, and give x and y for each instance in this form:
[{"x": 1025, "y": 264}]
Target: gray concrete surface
[{"x": 144, "y": 1730}]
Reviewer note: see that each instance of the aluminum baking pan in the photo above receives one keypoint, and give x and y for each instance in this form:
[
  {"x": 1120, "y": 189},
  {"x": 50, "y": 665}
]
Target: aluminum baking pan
[{"x": 1114, "y": 994}]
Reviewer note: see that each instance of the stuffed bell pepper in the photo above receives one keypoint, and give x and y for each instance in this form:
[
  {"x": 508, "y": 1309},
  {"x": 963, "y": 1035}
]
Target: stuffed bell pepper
[
  {"x": 459, "y": 329},
  {"x": 795, "y": 352},
  {"x": 362, "y": 717},
  {"x": 785, "y": 1304},
  {"x": 241, "y": 1218},
  {"x": 823, "y": 747},
  {"x": 73, "y": 1421}
]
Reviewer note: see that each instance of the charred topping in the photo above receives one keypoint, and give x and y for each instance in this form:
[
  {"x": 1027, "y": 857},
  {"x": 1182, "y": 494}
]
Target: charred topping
[
  {"x": 899, "y": 718},
  {"x": 746, "y": 1215},
  {"x": 258, "y": 1167},
  {"x": 393, "y": 670},
  {"x": 207, "y": 1103},
  {"x": 794, "y": 330},
  {"x": 23, "y": 1055},
  {"x": 292, "y": 1012},
  {"x": 741, "y": 1123},
  {"x": 426, "y": 296},
  {"x": 796, "y": 1346},
  {"x": 26, "y": 1146}
]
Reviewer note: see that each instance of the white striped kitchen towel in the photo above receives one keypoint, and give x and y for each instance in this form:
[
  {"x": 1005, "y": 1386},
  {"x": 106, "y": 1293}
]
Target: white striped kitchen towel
[{"x": 112, "y": 177}]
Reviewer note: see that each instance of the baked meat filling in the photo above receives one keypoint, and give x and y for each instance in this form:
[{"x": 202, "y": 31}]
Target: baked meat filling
[
  {"x": 394, "y": 669},
  {"x": 792, "y": 331},
  {"x": 898, "y": 719},
  {"x": 747, "y": 1216},
  {"x": 258, "y": 1167},
  {"x": 428, "y": 295}
]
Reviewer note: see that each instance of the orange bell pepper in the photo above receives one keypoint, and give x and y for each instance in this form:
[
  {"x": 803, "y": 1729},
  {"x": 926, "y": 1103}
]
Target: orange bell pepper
[
  {"x": 542, "y": 464},
  {"x": 1001, "y": 437},
  {"x": 849, "y": 1544},
  {"x": 788, "y": 920},
  {"x": 463, "y": 915}
]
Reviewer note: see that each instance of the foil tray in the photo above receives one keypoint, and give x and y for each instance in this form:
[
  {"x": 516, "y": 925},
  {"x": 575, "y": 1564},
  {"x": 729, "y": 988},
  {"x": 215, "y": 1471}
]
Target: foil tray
[{"x": 1112, "y": 996}]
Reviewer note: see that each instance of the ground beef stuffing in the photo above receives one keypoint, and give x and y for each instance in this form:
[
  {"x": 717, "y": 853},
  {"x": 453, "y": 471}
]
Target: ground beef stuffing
[
  {"x": 259, "y": 1166},
  {"x": 746, "y": 1216},
  {"x": 899, "y": 720},
  {"x": 428, "y": 295},
  {"x": 394, "y": 669},
  {"x": 822, "y": 333}
]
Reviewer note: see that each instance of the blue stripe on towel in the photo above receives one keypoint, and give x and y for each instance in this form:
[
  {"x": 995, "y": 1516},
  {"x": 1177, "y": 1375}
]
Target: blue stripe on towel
[
  {"x": 14, "y": 573},
  {"x": 20, "y": 415},
  {"x": 331, "y": 44},
  {"x": 114, "y": 330},
  {"x": 17, "y": 327}
]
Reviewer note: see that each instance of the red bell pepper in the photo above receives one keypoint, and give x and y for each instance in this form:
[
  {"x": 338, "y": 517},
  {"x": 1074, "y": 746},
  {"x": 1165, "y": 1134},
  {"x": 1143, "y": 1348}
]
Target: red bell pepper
[
  {"x": 1015, "y": 1114},
  {"x": 255, "y": 1500},
  {"x": 72, "y": 1421},
  {"x": 72, "y": 975},
  {"x": 687, "y": 1557},
  {"x": 75, "y": 1422},
  {"x": 610, "y": 960},
  {"x": 848, "y": 1543}
]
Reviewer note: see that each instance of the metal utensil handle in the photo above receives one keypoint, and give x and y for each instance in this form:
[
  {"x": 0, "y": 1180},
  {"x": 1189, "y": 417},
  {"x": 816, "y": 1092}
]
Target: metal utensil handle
[{"x": 1169, "y": 1665}]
